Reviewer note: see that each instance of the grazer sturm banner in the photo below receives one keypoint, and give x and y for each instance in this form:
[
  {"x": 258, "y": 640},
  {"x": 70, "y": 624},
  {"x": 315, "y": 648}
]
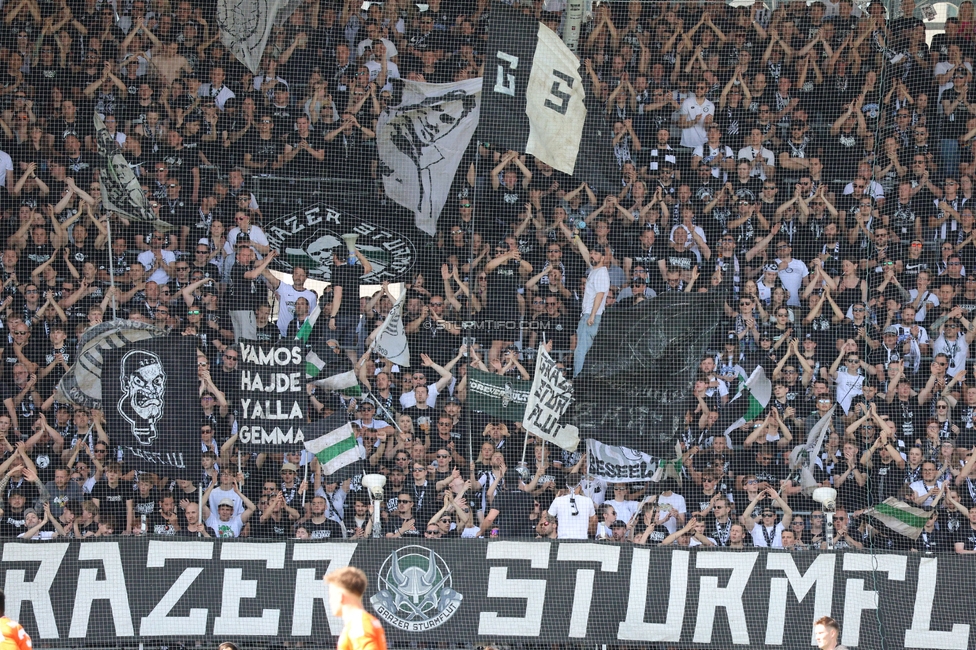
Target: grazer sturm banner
[
  {"x": 171, "y": 591},
  {"x": 307, "y": 238},
  {"x": 497, "y": 395},
  {"x": 551, "y": 395},
  {"x": 619, "y": 464},
  {"x": 152, "y": 406},
  {"x": 273, "y": 404},
  {"x": 420, "y": 143}
]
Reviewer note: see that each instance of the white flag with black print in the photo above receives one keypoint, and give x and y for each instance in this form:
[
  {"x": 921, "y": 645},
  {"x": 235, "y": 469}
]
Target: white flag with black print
[
  {"x": 534, "y": 97},
  {"x": 551, "y": 395},
  {"x": 245, "y": 26},
  {"x": 421, "y": 141}
]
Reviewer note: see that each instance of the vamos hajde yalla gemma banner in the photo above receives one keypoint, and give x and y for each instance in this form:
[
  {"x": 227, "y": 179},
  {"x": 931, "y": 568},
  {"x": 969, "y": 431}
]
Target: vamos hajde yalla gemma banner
[
  {"x": 307, "y": 238},
  {"x": 162, "y": 591},
  {"x": 273, "y": 397}
]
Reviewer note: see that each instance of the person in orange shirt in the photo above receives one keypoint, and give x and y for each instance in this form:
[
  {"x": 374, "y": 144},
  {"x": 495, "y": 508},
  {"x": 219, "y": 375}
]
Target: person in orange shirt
[
  {"x": 14, "y": 635},
  {"x": 362, "y": 631}
]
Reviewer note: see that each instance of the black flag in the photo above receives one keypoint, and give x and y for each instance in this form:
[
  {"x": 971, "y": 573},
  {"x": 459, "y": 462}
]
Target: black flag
[
  {"x": 273, "y": 404},
  {"x": 532, "y": 100},
  {"x": 646, "y": 358},
  {"x": 152, "y": 407}
]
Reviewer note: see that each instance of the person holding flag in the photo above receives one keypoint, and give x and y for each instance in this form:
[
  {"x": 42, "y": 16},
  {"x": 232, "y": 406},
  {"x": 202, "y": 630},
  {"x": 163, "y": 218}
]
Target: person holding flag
[{"x": 361, "y": 631}]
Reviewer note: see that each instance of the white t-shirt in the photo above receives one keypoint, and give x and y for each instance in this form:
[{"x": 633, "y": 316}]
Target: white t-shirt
[
  {"x": 677, "y": 503},
  {"x": 391, "y": 50},
  {"x": 598, "y": 281},
  {"x": 759, "y": 539},
  {"x": 254, "y": 232},
  {"x": 750, "y": 153},
  {"x": 922, "y": 309},
  {"x": 692, "y": 136},
  {"x": 707, "y": 154},
  {"x": 918, "y": 487},
  {"x": 6, "y": 165},
  {"x": 230, "y": 528},
  {"x": 286, "y": 305},
  {"x": 217, "y": 495},
  {"x": 148, "y": 260},
  {"x": 392, "y": 72},
  {"x": 625, "y": 509},
  {"x": 957, "y": 351},
  {"x": 410, "y": 399},
  {"x": 573, "y": 526},
  {"x": 792, "y": 279},
  {"x": 848, "y": 387}
]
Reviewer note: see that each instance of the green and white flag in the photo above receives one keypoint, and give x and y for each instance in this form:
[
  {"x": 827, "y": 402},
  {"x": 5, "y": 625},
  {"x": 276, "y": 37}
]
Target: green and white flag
[
  {"x": 305, "y": 331},
  {"x": 900, "y": 517},
  {"x": 336, "y": 449},
  {"x": 748, "y": 404}
]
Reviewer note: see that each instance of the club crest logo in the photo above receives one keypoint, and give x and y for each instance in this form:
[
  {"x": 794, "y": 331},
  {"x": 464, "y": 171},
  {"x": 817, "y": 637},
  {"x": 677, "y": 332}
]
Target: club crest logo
[{"x": 415, "y": 590}]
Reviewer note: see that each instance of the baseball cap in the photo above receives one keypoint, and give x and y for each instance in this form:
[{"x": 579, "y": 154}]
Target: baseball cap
[
  {"x": 225, "y": 502},
  {"x": 891, "y": 329},
  {"x": 289, "y": 467}
]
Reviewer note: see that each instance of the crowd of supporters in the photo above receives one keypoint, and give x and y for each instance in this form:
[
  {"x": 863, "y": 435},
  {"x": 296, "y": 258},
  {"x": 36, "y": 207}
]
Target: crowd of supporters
[{"x": 812, "y": 163}]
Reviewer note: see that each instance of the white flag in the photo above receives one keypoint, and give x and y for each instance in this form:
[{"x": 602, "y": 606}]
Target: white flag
[
  {"x": 391, "y": 337},
  {"x": 421, "y": 142},
  {"x": 551, "y": 395},
  {"x": 245, "y": 26},
  {"x": 555, "y": 86}
]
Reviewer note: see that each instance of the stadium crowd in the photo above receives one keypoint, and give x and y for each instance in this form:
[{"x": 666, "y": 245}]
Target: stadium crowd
[{"x": 814, "y": 163}]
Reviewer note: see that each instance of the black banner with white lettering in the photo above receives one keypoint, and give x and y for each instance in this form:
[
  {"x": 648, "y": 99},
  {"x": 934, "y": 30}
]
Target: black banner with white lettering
[
  {"x": 646, "y": 357},
  {"x": 201, "y": 591},
  {"x": 151, "y": 411},
  {"x": 272, "y": 393}
]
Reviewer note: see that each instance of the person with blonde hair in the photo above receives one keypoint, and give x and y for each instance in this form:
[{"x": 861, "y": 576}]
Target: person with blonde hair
[{"x": 361, "y": 631}]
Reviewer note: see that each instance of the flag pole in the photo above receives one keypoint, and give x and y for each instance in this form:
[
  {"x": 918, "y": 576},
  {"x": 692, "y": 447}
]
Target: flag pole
[
  {"x": 305, "y": 481},
  {"x": 111, "y": 265}
]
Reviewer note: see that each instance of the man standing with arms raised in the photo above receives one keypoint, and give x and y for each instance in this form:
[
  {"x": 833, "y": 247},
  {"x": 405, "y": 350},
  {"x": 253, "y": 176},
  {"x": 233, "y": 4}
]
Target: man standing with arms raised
[
  {"x": 360, "y": 631},
  {"x": 594, "y": 302}
]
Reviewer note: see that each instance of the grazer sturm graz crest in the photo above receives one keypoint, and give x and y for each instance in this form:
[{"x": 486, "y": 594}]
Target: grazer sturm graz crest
[
  {"x": 143, "y": 381},
  {"x": 415, "y": 591}
]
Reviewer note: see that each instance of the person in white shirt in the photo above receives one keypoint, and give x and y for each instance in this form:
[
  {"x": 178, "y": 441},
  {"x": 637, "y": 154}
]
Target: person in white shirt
[
  {"x": 216, "y": 90},
  {"x": 766, "y": 533},
  {"x": 791, "y": 271},
  {"x": 574, "y": 512},
  {"x": 669, "y": 499},
  {"x": 289, "y": 293},
  {"x": 696, "y": 113},
  {"x": 6, "y": 165},
  {"x": 625, "y": 509},
  {"x": 764, "y": 160},
  {"x": 594, "y": 301},
  {"x": 713, "y": 153},
  {"x": 157, "y": 260},
  {"x": 848, "y": 378}
]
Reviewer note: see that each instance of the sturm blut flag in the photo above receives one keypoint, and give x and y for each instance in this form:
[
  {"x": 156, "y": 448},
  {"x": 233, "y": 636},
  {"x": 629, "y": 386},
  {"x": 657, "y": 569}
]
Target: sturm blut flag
[
  {"x": 533, "y": 98},
  {"x": 421, "y": 141},
  {"x": 272, "y": 412},
  {"x": 152, "y": 405},
  {"x": 641, "y": 369}
]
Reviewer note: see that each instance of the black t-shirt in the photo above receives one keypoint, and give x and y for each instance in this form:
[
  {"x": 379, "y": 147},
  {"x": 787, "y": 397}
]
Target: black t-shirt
[
  {"x": 111, "y": 501},
  {"x": 514, "y": 507},
  {"x": 328, "y": 529},
  {"x": 156, "y": 525},
  {"x": 245, "y": 294},
  {"x": 348, "y": 277},
  {"x": 12, "y": 524}
]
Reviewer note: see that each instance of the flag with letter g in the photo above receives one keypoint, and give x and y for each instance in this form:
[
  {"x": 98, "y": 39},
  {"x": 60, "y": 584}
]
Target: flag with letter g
[{"x": 533, "y": 97}]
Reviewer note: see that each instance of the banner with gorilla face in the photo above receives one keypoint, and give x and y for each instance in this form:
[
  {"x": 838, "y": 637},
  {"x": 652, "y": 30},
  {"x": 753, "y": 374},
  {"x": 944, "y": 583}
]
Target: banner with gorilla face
[{"x": 151, "y": 407}]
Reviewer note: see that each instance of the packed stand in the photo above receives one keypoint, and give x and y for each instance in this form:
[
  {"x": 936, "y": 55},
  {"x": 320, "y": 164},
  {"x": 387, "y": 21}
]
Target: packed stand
[{"x": 813, "y": 164}]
